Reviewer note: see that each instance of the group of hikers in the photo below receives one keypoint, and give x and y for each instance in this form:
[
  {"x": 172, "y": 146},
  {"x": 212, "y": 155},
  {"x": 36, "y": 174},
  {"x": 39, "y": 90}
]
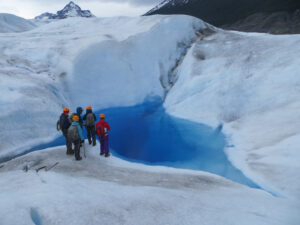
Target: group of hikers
[{"x": 72, "y": 129}]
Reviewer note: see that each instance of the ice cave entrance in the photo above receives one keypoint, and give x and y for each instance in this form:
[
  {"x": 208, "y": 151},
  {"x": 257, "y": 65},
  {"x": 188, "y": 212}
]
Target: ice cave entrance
[{"x": 147, "y": 134}]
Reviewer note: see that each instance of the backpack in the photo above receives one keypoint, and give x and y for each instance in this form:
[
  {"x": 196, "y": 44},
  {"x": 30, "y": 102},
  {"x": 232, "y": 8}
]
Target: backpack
[
  {"x": 64, "y": 122},
  {"x": 90, "y": 120},
  {"x": 58, "y": 128},
  {"x": 73, "y": 133}
]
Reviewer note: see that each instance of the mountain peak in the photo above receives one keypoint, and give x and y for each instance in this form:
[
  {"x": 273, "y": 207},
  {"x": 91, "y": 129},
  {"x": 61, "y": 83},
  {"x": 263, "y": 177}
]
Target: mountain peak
[
  {"x": 71, "y": 3},
  {"x": 168, "y": 4},
  {"x": 70, "y": 10},
  {"x": 71, "y": 6}
]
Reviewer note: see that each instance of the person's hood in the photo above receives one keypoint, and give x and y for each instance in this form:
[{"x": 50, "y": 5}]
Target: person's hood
[{"x": 79, "y": 110}]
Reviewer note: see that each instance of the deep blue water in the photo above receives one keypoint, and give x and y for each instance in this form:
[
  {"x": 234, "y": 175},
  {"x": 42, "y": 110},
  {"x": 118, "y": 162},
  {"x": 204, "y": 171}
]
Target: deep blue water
[{"x": 145, "y": 133}]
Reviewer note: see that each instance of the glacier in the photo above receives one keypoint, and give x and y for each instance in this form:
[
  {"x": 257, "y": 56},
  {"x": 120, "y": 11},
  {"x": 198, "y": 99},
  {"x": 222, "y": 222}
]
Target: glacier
[{"x": 246, "y": 83}]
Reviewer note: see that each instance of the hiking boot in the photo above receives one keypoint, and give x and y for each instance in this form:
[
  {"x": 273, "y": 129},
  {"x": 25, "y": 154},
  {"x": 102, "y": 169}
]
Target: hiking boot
[
  {"x": 102, "y": 153},
  {"x": 94, "y": 144},
  {"x": 80, "y": 158},
  {"x": 107, "y": 155},
  {"x": 71, "y": 152}
]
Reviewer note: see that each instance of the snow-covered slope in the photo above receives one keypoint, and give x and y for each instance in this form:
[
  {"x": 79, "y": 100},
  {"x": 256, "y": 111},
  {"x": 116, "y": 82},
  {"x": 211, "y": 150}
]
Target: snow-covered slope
[
  {"x": 110, "y": 191},
  {"x": 11, "y": 23},
  {"x": 159, "y": 6}
]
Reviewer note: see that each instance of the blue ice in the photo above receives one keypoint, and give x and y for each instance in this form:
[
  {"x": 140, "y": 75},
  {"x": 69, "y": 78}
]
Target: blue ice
[{"x": 146, "y": 133}]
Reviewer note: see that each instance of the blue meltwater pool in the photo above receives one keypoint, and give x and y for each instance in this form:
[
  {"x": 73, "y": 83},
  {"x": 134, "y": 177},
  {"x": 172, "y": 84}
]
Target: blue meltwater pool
[{"x": 146, "y": 133}]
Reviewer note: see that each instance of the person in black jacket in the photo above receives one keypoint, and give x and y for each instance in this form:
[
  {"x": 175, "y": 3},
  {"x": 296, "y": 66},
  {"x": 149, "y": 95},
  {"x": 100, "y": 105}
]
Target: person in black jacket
[
  {"x": 90, "y": 119},
  {"x": 65, "y": 123}
]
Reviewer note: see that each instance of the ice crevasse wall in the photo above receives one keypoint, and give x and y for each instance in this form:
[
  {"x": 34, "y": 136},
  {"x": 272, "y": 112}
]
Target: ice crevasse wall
[
  {"x": 41, "y": 73},
  {"x": 250, "y": 84}
]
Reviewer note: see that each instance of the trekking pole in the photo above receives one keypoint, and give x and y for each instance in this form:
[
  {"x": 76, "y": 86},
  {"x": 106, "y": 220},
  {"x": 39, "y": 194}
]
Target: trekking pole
[{"x": 84, "y": 150}]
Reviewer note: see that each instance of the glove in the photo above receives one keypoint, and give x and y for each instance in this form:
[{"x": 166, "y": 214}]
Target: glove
[{"x": 82, "y": 141}]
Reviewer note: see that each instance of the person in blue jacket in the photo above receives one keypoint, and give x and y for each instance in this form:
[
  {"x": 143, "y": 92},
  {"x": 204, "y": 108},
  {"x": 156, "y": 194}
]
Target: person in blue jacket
[
  {"x": 75, "y": 136},
  {"x": 78, "y": 113}
]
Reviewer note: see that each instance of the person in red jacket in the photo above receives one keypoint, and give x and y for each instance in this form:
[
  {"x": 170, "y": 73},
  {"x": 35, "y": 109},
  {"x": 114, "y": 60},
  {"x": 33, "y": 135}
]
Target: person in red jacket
[{"x": 102, "y": 129}]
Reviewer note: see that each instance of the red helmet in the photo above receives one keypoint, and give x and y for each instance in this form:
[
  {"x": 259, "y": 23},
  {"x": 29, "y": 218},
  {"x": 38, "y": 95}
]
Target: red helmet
[{"x": 66, "y": 110}]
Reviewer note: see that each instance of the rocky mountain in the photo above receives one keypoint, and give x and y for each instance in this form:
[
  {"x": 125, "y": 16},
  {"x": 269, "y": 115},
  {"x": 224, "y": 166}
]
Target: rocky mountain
[
  {"x": 272, "y": 16},
  {"x": 70, "y": 10},
  {"x": 282, "y": 22}
]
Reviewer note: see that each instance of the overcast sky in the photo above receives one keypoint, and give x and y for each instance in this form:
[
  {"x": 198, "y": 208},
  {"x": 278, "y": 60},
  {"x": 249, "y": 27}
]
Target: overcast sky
[{"x": 101, "y": 8}]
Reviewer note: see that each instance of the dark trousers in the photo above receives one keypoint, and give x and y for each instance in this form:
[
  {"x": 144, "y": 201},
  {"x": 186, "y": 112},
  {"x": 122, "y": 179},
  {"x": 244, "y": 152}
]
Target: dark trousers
[
  {"x": 91, "y": 133},
  {"x": 68, "y": 143},
  {"x": 104, "y": 148},
  {"x": 77, "y": 148}
]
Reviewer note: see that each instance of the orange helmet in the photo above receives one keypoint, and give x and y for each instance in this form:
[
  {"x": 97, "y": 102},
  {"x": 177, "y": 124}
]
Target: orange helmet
[
  {"x": 66, "y": 110},
  {"x": 89, "y": 107},
  {"x": 102, "y": 116},
  {"x": 75, "y": 118}
]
